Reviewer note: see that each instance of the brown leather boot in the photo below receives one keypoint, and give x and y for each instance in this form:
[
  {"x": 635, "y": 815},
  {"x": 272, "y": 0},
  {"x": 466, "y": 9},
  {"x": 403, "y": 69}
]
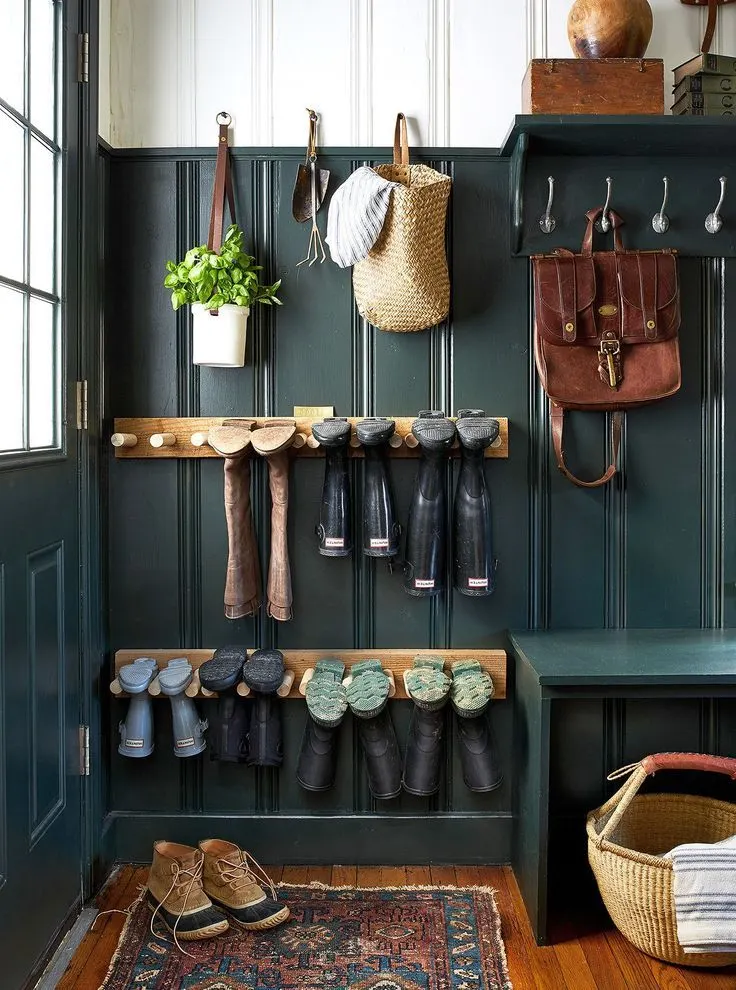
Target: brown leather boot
[
  {"x": 175, "y": 893},
  {"x": 272, "y": 442},
  {"x": 232, "y": 879},
  {"x": 243, "y": 580}
]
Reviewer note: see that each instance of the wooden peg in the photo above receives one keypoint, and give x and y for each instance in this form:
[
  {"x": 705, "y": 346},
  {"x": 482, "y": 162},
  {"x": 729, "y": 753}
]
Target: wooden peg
[
  {"x": 498, "y": 442},
  {"x": 411, "y": 441},
  {"x": 392, "y": 683},
  {"x": 123, "y": 439},
  {"x": 354, "y": 442},
  {"x": 115, "y": 687},
  {"x": 312, "y": 442},
  {"x": 163, "y": 440},
  {"x": 406, "y": 686},
  {"x": 193, "y": 688},
  {"x": 284, "y": 689},
  {"x": 154, "y": 688},
  {"x": 395, "y": 441},
  {"x": 243, "y": 689},
  {"x": 300, "y": 440},
  {"x": 306, "y": 678},
  {"x": 200, "y": 440}
]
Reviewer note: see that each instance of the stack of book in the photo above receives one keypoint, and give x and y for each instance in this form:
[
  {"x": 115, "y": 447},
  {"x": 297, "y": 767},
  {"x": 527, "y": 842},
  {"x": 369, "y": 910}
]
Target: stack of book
[{"x": 706, "y": 87}]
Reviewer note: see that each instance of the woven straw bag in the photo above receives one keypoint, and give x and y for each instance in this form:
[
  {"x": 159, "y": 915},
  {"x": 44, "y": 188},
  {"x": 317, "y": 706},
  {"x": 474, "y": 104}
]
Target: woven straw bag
[
  {"x": 628, "y": 834},
  {"x": 403, "y": 284}
]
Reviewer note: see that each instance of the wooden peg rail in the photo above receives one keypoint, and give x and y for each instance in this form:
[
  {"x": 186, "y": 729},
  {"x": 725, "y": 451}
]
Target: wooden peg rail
[
  {"x": 300, "y": 661},
  {"x": 187, "y": 437}
]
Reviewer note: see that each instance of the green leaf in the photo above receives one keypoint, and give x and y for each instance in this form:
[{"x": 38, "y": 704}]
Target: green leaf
[
  {"x": 216, "y": 301},
  {"x": 171, "y": 281},
  {"x": 170, "y": 266},
  {"x": 265, "y": 300},
  {"x": 191, "y": 257},
  {"x": 197, "y": 272}
]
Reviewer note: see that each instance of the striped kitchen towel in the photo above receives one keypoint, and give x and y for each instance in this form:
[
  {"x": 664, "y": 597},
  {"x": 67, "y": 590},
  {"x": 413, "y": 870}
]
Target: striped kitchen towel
[
  {"x": 705, "y": 895},
  {"x": 356, "y": 215}
]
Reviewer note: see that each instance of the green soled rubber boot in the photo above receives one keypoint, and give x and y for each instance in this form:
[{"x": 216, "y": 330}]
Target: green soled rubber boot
[
  {"x": 427, "y": 683},
  {"x": 472, "y": 688},
  {"x": 327, "y": 699},
  {"x": 326, "y": 704},
  {"x": 367, "y": 690}
]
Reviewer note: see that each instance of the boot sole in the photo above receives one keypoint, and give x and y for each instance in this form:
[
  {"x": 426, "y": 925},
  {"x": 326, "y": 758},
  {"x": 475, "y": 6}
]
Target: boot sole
[
  {"x": 210, "y": 931},
  {"x": 256, "y": 926},
  {"x": 410, "y": 790},
  {"x": 483, "y": 790}
]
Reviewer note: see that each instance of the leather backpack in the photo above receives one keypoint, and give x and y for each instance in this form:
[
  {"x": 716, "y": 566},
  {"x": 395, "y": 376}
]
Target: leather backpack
[{"x": 605, "y": 332}]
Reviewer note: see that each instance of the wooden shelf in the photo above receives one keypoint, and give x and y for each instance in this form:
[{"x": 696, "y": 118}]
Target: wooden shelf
[
  {"x": 183, "y": 429},
  {"x": 397, "y": 661}
]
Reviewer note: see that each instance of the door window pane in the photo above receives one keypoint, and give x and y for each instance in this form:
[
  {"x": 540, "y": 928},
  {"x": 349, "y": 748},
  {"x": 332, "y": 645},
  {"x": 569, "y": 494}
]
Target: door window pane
[
  {"x": 43, "y": 61},
  {"x": 11, "y": 54},
  {"x": 41, "y": 374},
  {"x": 11, "y": 198},
  {"x": 42, "y": 217},
  {"x": 11, "y": 369}
]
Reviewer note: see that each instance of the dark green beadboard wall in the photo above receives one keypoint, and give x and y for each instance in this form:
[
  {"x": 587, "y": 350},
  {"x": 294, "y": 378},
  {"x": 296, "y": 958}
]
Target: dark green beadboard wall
[{"x": 649, "y": 550}]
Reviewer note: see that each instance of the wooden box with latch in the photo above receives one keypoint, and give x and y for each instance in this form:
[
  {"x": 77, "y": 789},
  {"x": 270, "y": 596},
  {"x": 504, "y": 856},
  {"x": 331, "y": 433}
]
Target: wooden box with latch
[{"x": 594, "y": 85}]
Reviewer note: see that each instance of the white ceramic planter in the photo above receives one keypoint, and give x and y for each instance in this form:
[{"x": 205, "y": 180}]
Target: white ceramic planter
[{"x": 219, "y": 338}]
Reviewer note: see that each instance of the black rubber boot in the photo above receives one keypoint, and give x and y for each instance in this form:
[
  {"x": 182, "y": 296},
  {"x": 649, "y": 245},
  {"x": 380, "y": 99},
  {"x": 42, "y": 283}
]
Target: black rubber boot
[
  {"x": 334, "y": 529},
  {"x": 474, "y": 562},
  {"x": 423, "y": 757},
  {"x": 229, "y": 726},
  {"x": 481, "y": 770},
  {"x": 382, "y": 757},
  {"x": 265, "y": 745},
  {"x": 317, "y": 765},
  {"x": 381, "y": 531},
  {"x": 426, "y": 535}
]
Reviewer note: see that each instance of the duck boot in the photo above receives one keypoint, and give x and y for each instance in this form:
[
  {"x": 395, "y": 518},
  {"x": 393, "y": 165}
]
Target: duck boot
[
  {"x": 367, "y": 694},
  {"x": 136, "y": 732},
  {"x": 426, "y": 534},
  {"x": 474, "y": 568},
  {"x": 326, "y": 705},
  {"x": 232, "y": 880},
  {"x": 381, "y": 531},
  {"x": 243, "y": 578},
  {"x": 175, "y": 894},
  {"x": 263, "y": 674},
  {"x": 428, "y": 686},
  {"x": 335, "y": 530},
  {"x": 470, "y": 694},
  {"x": 273, "y": 442},
  {"x": 229, "y": 727},
  {"x": 187, "y": 726}
]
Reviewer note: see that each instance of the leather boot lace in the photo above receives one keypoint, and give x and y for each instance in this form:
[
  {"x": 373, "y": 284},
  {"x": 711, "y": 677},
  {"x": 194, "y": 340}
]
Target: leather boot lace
[
  {"x": 184, "y": 883},
  {"x": 248, "y": 871}
]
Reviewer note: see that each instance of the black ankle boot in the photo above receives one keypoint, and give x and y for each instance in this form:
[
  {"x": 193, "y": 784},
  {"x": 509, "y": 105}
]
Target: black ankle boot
[
  {"x": 317, "y": 765},
  {"x": 426, "y": 535},
  {"x": 474, "y": 561},
  {"x": 382, "y": 757},
  {"x": 334, "y": 530},
  {"x": 381, "y": 531},
  {"x": 478, "y": 758},
  {"x": 423, "y": 757},
  {"x": 265, "y": 746}
]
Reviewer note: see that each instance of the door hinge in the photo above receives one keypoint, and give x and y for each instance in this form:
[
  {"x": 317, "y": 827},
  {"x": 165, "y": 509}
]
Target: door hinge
[
  {"x": 82, "y": 414},
  {"x": 83, "y": 57},
  {"x": 84, "y": 751}
]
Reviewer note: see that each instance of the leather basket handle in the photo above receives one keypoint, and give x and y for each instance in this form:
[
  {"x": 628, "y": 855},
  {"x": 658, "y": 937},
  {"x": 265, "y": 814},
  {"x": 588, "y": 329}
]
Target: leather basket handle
[
  {"x": 401, "y": 150},
  {"x": 690, "y": 761},
  {"x": 223, "y": 185},
  {"x": 557, "y": 418},
  {"x": 616, "y": 222}
]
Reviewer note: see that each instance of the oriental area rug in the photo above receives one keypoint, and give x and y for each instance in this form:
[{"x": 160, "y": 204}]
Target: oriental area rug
[{"x": 337, "y": 938}]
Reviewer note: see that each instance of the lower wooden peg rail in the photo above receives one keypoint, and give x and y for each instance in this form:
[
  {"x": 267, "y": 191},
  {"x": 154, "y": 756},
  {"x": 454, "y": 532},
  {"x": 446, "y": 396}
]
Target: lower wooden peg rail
[
  {"x": 188, "y": 437},
  {"x": 299, "y": 663}
]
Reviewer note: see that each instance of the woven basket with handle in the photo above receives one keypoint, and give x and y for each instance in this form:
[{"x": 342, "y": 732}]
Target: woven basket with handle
[
  {"x": 627, "y": 837},
  {"x": 403, "y": 283}
]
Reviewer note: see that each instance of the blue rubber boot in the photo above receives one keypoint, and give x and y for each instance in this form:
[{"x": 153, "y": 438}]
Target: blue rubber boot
[
  {"x": 187, "y": 726},
  {"x": 136, "y": 732}
]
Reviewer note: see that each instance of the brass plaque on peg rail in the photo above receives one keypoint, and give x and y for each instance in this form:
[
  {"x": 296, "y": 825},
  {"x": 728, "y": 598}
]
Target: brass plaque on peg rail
[{"x": 313, "y": 412}]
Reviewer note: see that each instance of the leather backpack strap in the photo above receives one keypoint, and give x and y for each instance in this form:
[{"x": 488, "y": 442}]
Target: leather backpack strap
[
  {"x": 223, "y": 185},
  {"x": 557, "y": 419}
]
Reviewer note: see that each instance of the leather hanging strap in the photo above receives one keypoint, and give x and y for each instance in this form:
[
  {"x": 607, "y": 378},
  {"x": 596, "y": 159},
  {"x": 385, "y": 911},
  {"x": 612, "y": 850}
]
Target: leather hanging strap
[
  {"x": 223, "y": 186},
  {"x": 557, "y": 419},
  {"x": 401, "y": 149},
  {"x": 312, "y": 139},
  {"x": 710, "y": 28},
  {"x": 616, "y": 224}
]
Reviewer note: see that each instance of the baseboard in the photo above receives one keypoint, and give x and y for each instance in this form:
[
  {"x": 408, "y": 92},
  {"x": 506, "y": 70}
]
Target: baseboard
[{"x": 317, "y": 840}]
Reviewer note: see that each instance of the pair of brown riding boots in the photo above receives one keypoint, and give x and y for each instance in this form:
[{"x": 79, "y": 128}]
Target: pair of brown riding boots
[{"x": 232, "y": 441}]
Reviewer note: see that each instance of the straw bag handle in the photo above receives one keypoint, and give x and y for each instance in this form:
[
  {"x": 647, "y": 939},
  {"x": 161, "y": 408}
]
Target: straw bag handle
[
  {"x": 620, "y": 801},
  {"x": 223, "y": 185},
  {"x": 401, "y": 147}
]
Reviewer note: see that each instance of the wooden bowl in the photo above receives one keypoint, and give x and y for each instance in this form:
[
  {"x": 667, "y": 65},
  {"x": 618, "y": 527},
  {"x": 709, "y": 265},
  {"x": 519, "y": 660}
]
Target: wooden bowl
[{"x": 610, "y": 28}]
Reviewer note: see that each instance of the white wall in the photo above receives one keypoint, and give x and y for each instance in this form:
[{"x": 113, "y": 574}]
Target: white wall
[{"x": 453, "y": 66}]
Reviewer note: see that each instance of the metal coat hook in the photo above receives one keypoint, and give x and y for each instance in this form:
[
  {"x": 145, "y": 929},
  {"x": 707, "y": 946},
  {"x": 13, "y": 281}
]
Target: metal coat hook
[
  {"x": 547, "y": 222},
  {"x": 604, "y": 224},
  {"x": 660, "y": 221},
  {"x": 714, "y": 221}
]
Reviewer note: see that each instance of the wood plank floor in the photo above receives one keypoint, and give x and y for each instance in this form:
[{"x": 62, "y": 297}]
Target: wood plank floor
[{"x": 600, "y": 961}]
